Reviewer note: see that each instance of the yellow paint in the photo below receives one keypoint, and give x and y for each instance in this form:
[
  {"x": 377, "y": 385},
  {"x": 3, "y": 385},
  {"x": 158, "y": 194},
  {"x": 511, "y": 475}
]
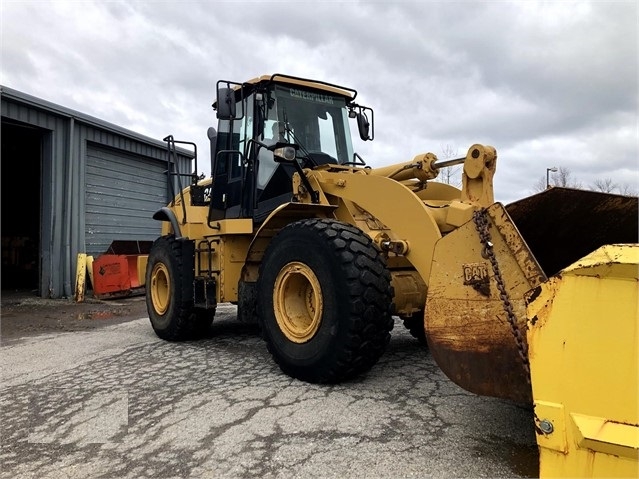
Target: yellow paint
[
  {"x": 393, "y": 205},
  {"x": 403, "y": 213},
  {"x": 298, "y": 302},
  {"x": 554, "y": 414},
  {"x": 142, "y": 261},
  {"x": 160, "y": 288},
  {"x": 230, "y": 258},
  {"x": 477, "y": 178},
  {"x": 236, "y": 226},
  {"x": 410, "y": 292},
  {"x": 305, "y": 83},
  {"x": 80, "y": 277},
  {"x": 584, "y": 355},
  {"x": 467, "y": 328},
  {"x": 600, "y": 434},
  {"x": 459, "y": 213}
]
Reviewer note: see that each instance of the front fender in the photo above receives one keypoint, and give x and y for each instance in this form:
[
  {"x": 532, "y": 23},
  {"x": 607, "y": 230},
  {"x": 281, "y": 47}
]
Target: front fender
[{"x": 278, "y": 219}]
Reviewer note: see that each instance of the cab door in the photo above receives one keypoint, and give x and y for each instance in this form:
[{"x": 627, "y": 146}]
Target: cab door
[{"x": 230, "y": 167}]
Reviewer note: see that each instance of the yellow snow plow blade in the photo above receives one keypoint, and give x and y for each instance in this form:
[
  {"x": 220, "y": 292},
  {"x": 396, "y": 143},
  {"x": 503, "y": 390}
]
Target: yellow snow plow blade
[{"x": 584, "y": 355}]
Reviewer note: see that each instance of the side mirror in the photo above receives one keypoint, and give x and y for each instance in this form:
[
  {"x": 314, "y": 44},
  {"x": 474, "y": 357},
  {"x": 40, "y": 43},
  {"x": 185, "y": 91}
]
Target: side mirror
[
  {"x": 363, "y": 126},
  {"x": 225, "y": 104}
]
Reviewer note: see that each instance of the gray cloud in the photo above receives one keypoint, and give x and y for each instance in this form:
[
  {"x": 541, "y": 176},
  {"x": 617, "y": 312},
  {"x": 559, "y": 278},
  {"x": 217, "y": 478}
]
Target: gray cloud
[{"x": 548, "y": 84}]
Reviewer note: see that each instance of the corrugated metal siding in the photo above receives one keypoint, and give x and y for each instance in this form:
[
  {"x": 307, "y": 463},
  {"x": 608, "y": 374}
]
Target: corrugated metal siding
[
  {"x": 29, "y": 115},
  {"x": 95, "y": 177},
  {"x": 122, "y": 193}
]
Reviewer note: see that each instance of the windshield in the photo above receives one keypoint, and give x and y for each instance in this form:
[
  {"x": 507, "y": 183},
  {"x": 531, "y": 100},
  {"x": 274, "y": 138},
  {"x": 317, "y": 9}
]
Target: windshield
[{"x": 316, "y": 121}]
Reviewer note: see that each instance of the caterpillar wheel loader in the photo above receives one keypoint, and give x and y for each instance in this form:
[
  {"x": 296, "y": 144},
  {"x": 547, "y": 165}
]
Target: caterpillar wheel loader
[{"x": 323, "y": 250}]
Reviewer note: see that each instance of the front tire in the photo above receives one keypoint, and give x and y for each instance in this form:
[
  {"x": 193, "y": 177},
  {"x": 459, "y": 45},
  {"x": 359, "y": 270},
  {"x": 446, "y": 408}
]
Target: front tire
[
  {"x": 169, "y": 278},
  {"x": 324, "y": 297}
]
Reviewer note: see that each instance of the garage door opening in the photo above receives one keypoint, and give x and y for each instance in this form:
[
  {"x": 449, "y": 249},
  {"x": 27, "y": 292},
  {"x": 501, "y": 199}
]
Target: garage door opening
[{"x": 22, "y": 148}]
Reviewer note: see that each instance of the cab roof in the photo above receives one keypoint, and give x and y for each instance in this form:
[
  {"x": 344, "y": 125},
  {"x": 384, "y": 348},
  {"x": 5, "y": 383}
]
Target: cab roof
[{"x": 348, "y": 93}]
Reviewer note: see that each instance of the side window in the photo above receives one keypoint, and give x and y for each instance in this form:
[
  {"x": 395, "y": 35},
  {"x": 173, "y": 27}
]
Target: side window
[
  {"x": 267, "y": 166},
  {"x": 238, "y": 144},
  {"x": 327, "y": 136},
  {"x": 242, "y": 133},
  {"x": 222, "y": 143}
]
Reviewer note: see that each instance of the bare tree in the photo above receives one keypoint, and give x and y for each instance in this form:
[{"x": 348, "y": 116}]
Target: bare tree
[
  {"x": 628, "y": 190},
  {"x": 563, "y": 177},
  {"x": 540, "y": 185},
  {"x": 451, "y": 174},
  {"x": 605, "y": 185}
]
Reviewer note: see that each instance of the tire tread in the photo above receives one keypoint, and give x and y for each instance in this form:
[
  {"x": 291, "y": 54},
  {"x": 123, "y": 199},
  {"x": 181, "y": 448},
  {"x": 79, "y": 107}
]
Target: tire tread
[{"x": 369, "y": 286}]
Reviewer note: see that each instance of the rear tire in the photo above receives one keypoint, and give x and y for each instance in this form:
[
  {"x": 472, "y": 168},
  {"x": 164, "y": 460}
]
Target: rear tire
[
  {"x": 172, "y": 316},
  {"x": 415, "y": 326},
  {"x": 324, "y": 297}
]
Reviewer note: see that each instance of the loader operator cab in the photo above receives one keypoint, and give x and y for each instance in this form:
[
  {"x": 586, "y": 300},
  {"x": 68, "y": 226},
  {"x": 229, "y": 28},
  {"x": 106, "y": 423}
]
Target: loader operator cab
[{"x": 255, "y": 118}]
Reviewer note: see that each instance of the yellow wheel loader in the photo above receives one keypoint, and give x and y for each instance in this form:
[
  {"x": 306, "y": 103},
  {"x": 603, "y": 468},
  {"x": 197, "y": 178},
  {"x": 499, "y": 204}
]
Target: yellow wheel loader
[{"x": 323, "y": 250}]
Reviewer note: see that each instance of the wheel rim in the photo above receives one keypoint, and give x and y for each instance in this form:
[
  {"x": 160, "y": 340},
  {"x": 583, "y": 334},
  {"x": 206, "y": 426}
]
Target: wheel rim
[
  {"x": 298, "y": 303},
  {"x": 160, "y": 288}
]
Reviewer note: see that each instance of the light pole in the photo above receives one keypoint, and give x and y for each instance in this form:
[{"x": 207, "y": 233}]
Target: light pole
[{"x": 548, "y": 170}]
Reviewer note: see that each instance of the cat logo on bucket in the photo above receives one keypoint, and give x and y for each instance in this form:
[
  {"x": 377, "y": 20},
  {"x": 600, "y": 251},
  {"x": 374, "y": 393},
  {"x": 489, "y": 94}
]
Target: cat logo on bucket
[{"x": 476, "y": 275}]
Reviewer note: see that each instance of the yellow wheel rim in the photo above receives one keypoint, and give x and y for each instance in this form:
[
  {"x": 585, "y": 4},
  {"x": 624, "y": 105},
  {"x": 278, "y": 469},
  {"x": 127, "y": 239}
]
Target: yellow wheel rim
[
  {"x": 160, "y": 288},
  {"x": 298, "y": 303}
]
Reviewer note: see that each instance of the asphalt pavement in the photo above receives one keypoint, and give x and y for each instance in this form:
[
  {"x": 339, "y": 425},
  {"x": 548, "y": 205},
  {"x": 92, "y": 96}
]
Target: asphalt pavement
[{"x": 117, "y": 402}]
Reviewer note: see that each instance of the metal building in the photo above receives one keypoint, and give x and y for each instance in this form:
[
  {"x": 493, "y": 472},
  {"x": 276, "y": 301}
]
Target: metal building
[{"x": 71, "y": 184}]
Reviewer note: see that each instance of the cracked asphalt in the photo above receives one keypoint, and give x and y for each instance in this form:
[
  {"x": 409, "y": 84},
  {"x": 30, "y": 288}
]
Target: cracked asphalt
[{"x": 118, "y": 402}]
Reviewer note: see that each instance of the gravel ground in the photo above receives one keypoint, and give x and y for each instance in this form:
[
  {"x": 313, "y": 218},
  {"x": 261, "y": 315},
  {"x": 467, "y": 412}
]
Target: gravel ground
[
  {"x": 24, "y": 314},
  {"x": 89, "y": 391}
]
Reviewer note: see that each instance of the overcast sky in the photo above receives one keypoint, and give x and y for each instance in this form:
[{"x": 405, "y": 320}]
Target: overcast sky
[{"x": 548, "y": 84}]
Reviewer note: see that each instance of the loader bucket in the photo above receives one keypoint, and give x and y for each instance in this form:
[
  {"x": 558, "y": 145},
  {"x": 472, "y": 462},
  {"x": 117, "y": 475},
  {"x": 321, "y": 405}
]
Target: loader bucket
[
  {"x": 561, "y": 225},
  {"x": 477, "y": 333}
]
